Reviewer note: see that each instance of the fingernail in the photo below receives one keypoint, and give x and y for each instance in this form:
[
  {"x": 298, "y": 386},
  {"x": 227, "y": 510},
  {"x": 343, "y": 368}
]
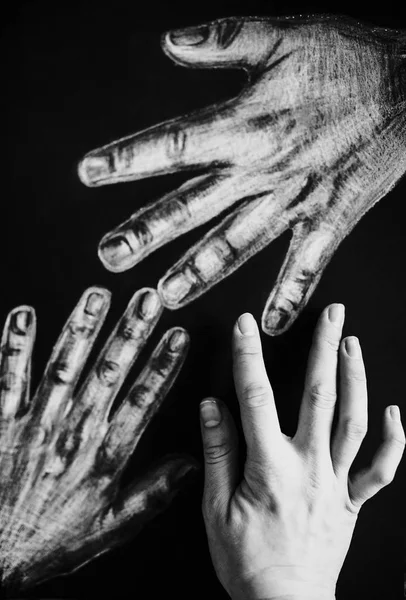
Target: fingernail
[
  {"x": 116, "y": 250},
  {"x": 177, "y": 287},
  {"x": 336, "y": 313},
  {"x": 246, "y": 324},
  {"x": 177, "y": 339},
  {"x": 352, "y": 347},
  {"x": 149, "y": 304},
  {"x": 94, "y": 168},
  {"x": 395, "y": 413},
  {"x": 94, "y": 304},
  {"x": 21, "y": 321},
  {"x": 210, "y": 413},
  {"x": 193, "y": 36},
  {"x": 276, "y": 321},
  {"x": 183, "y": 471}
]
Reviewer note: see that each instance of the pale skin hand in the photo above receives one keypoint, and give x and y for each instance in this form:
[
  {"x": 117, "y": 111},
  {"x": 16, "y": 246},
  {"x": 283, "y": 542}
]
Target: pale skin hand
[
  {"x": 313, "y": 141},
  {"x": 283, "y": 529},
  {"x": 62, "y": 452}
]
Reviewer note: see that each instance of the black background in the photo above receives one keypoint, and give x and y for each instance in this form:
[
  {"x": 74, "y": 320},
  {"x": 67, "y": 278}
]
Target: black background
[{"x": 76, "y": 76}]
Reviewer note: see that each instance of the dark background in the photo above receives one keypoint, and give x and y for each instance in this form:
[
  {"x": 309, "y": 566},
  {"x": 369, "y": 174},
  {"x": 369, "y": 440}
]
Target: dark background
[{"x": 76, "y": 76}]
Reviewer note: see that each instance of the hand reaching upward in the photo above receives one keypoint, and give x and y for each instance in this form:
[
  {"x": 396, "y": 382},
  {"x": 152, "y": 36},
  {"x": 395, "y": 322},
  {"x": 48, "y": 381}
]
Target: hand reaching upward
[
  {"x": 316, "y": 137},
  {"x": 62, "y": 453}
]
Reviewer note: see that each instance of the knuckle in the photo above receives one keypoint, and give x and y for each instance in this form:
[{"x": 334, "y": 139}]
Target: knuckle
[
  {"x": 140, "y": 396},
  {"x": 8, "y": 382},
  {"x": 77, "y": 329},
  {"x": 108, "y": 372},
  {"x": 382, "y": 477},
  {"x": 354, "y": 430},
  {"x": 227, "y": 30},
  {"x": 255, "y": 395},
  {"x": 321, "y": 397},
  {"x": 217, "y": 453},
  {"x": 245, "y": 352},
  {"x": 398, "y": 442},
  {"x": 127, "y": 331},
  {"x": 176, "y": 142},
  {"x": 62, "y": 371},
  {"x": 331, "y": 342},
  {"x": 356, "y": 374}
]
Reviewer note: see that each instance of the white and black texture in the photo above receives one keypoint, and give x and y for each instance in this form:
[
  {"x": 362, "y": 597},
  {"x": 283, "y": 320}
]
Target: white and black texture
[
  {"x": 316, "y": 137},
  {"x": 62, "y": 453}
]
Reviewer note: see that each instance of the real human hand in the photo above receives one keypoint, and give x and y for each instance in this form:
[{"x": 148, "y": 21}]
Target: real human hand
[
  {"x": 316, "y": 137},
  {"x": 62, "y": 453},
  {"x": 282, "y": 529}
]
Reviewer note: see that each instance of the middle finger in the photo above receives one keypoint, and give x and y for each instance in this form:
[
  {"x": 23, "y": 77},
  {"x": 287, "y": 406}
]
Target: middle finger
[{"x": 320, "y": 393}]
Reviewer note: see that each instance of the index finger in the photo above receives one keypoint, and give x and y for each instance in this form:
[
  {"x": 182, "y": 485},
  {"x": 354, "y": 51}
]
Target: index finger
[
  {"x": 258, "y": 411},
  {"x": 199, "y": 140}
]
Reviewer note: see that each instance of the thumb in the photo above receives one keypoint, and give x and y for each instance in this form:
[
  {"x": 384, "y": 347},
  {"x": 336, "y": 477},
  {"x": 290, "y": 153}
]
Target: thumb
[
  {"x": 130, "y": 510},
  {"x": 220, "y": 455},
  {"x": 230, "y": 43},
  {"x": 143, "y": 499}
]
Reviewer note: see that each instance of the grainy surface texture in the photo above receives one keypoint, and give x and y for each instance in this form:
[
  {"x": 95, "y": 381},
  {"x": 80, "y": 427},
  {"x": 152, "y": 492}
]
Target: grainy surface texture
[
  {"x": 77, "y": 76},
  {"x": 62, "y": 453},
  {"x": 315, "y": 138}
]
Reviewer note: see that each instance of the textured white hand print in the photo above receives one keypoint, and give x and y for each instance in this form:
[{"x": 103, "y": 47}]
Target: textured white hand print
[
  {"x": 62, "y": 453},
  {"x": 313, "y": 141}
]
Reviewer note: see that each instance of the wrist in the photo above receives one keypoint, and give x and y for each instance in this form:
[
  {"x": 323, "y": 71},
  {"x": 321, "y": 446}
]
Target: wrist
[{"x": 282, "y": 590}]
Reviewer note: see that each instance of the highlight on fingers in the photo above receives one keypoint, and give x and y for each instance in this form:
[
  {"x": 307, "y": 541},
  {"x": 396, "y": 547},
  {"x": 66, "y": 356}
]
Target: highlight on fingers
[
  {"x": 320, "y": 390},
  {"x": 254, "y": 392},
  {"x": 145, "y": 397},
  {"x": 352, "y": 422},
  {"x": 15, "y": 360},
  {"x": 233, "y": 42},
  {"x": 118, "y": 355}
]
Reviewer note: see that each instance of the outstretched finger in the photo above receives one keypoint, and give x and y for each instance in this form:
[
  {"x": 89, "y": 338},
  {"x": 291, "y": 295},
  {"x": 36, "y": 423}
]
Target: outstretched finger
[
  {"x": 233, "y": 42},
  {"x": 160, "y": 222},
  {"x": 247, "y": 230},
  {"x": 353, "y": 406},
  {"x": 258, "y": 411},
  {"x": 15, "y": 360},
  {"x": 70, "y": 354},
  {"x": 201, "y": 139},
  {"x": 143, "y": 400},
  {"x": 309, "y": 252},
  {"x": 382, "y": 471},
  {"x": 220, "y": 456},
  {"x": 121, "y": 350},
  {"x": 320, "y": 392}
]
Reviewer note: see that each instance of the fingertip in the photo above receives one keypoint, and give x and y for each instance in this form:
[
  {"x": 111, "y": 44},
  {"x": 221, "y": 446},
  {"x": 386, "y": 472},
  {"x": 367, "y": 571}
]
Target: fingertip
[
  {"x": 335, "y": 313},
  {"x": 276, "y": 320},
  {"x": 22, "y": 319},
  {"x": 83, "y": 173},
  {"x": 177, "y": 339},
  {"x": 92, "y": 169},
  {"x": 246, "y": 325},
  {"x": 210, "y": 412},
  {"x": 351, "y": 347},
  {"x": 393, "y": 412},
  {"x": 147, "y": 302},
  {"x": 96, "y": 300}
]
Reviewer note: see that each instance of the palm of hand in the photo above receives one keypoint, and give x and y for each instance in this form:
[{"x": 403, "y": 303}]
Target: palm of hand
[
  {"x": 280, "y": 512},
  {"x": 62, "y": 454},
  {"x": 311, "y": 143}
]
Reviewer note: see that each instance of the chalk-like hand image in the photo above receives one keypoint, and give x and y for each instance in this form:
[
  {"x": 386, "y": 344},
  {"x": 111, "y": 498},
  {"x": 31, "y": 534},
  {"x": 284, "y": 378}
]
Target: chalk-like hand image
[
  {"x": 313, "y": 141},
  {"x": 62, "y": 453}
]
